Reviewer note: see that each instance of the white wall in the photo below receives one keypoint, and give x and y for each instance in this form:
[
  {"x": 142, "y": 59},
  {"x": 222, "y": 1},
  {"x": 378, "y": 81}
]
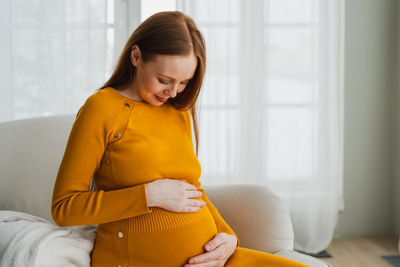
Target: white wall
[{"x": 369, "y": 137}]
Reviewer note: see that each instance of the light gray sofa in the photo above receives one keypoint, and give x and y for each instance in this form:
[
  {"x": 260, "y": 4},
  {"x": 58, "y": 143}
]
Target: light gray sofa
[{"x": 31, "y": 151}]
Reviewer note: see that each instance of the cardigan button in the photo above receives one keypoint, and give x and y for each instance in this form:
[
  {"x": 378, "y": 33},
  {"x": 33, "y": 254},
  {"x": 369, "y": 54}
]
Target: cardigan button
[
  {"x": 120, "y": 234},
  {"x": 119, "y": 265},
  {"x": 116, "y": 135},
  {"x": 127, "y": 105}
]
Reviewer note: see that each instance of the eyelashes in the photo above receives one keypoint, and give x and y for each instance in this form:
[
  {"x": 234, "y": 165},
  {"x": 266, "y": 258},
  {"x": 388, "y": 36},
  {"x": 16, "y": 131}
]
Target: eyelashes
[
  {"x": 162, "y": 82},
  {"x": 167, "y": 82}
]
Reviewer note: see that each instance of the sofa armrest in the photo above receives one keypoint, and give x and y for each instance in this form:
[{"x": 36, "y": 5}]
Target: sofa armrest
[
  {"x": 258, "y": 216},
  {"x": 31, "y": 151}
]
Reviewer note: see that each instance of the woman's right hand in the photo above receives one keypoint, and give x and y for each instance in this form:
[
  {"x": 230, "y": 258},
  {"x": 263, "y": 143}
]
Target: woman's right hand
[{"x": 173, "y": 195}]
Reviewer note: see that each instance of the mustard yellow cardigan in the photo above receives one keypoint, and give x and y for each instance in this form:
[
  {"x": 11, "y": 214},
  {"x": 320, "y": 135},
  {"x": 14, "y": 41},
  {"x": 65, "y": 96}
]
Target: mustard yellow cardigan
[{"x": 123, "y": 144}]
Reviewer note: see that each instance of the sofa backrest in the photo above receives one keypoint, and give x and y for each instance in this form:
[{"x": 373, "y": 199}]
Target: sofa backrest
[{"x": 30, "y": 154}]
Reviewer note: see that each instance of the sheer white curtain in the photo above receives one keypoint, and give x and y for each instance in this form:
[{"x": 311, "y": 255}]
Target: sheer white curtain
[
  {"x": 56, "y": 53},
  {"x": 271, "y": 106}
]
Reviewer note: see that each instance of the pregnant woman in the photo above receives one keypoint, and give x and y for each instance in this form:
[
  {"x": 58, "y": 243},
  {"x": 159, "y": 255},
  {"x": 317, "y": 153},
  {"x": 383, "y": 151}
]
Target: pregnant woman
[{"x": 130, "y": 166}]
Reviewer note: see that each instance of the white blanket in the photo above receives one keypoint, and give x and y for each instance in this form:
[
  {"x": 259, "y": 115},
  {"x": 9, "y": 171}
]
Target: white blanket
[{"x": 27, "y": 240}]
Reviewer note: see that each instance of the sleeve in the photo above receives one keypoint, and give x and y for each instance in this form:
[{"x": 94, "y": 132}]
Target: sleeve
[
  {"x": 72, "y": 203},
  {"x": 222, "y": 225}
]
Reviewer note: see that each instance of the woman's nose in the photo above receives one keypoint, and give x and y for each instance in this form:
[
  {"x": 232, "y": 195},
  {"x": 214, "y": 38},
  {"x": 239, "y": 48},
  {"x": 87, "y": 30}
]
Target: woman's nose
[{"x": 172, "y": 91}]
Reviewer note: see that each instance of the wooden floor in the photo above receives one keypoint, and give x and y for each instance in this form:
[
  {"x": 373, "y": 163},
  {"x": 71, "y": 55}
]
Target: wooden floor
[{"x": 361, "y": 251}]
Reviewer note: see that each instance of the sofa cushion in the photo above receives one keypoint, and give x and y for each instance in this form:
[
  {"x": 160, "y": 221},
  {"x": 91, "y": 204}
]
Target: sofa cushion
[{"x": 259, "y": 217}]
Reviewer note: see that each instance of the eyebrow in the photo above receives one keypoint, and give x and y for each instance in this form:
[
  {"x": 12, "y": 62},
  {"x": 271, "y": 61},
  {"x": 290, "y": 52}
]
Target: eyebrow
[{"x": 172, "y": 78}]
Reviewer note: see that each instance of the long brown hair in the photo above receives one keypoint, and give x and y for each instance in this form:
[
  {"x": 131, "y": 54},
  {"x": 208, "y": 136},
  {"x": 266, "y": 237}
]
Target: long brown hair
[{"x": 165, "y": 33}]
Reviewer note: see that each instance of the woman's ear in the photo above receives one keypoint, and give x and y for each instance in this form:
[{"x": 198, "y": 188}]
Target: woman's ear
[{"x": 135, "y": 55}]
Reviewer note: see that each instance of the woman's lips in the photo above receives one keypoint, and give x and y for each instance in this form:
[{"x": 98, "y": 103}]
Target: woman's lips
[{"x": 161, "y": 99}]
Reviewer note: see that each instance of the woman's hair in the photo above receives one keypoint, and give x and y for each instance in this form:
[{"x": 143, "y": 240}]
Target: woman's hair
[{"x": 165, "y": 33}]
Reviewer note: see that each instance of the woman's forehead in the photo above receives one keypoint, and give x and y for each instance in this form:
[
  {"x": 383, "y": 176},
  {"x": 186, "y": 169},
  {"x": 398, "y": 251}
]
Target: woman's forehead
[{"x": 178, "y": 67}]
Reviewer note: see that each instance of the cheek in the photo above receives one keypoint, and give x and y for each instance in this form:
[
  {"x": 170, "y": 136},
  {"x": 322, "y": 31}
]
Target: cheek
[{"x": 152, "y": 85}]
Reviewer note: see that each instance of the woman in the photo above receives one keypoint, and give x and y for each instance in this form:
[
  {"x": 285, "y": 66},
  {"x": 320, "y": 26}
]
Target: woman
[{"x": 134, "y": 138}]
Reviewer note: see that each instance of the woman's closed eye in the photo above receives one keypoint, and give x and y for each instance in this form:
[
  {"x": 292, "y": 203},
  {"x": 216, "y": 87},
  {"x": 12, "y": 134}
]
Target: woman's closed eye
[
  {"x": 167, "y": 82},
  {"x": 163, "y": 82}
]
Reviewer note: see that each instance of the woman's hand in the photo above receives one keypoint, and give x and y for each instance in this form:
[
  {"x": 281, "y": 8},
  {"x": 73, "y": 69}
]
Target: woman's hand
[
  {"x": 173, "y": 195},
  {"x": 219, "y": 250}
]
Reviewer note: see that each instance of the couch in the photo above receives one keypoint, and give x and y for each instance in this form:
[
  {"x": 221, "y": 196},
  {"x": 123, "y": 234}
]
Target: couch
[{"x": 31, "y": 151}]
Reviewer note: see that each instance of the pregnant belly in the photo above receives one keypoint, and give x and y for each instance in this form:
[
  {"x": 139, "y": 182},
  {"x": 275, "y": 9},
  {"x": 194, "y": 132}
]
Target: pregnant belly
[
  {"x": 160, "y": 238},
  {"x": 171, "y": 247}
]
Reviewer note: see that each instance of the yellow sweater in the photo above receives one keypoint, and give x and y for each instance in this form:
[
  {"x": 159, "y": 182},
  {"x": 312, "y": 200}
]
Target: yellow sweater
[{"x": 123, "y": 144}]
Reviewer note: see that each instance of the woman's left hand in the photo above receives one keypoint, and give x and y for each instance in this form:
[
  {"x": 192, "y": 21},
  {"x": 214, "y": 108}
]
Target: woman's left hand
[{"x": 218, "y": 251}]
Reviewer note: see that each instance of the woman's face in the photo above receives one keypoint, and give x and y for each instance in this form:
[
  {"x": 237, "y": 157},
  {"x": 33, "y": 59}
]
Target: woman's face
[{"x": 163, "y": 78}]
